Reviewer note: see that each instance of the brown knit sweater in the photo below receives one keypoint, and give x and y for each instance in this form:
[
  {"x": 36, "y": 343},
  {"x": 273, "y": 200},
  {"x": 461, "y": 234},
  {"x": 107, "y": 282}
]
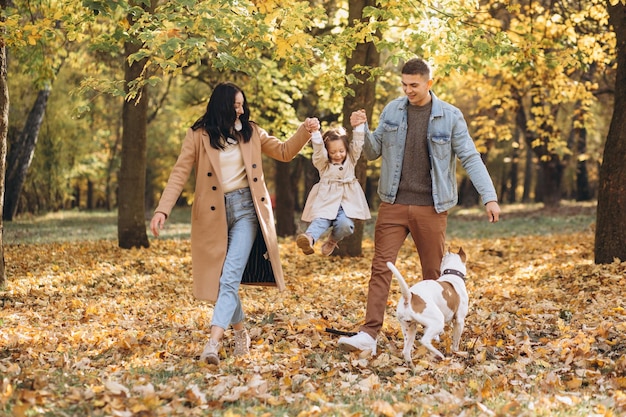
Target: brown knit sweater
[{"x": 415, "y": 186}]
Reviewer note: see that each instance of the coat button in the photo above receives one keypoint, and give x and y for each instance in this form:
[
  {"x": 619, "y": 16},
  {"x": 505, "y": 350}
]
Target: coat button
[
  {"x": 213, "y": 208},
  {"x": 209, "y": 174},
  {"x": 262, "y": 198},
  {"x": 340, "y": 168},
  {"x": 253, "y": 165},
  {"x": 255, "y": 180},
  {"x": 214, "y": 188}
]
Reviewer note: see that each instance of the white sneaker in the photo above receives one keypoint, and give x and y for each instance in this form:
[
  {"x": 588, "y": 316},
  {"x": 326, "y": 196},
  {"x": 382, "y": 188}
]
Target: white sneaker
[
  {"x": 242, "y": 342},
  {"x": 211, "y": 351},
  {"x": 360, "y": 341}
]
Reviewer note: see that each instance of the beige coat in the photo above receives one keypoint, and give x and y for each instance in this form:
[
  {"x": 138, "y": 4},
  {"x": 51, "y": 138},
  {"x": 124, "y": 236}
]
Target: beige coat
[
  {"x": 209, "y": 234},
  {"x": 337, "y": 185}
]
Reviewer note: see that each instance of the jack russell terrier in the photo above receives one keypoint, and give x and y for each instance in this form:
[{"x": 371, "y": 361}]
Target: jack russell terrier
[{"x": 433, "y": 303}]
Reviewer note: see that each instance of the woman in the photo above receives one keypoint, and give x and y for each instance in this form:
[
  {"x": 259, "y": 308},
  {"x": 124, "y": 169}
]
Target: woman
[{"x": 233, "y": 237}]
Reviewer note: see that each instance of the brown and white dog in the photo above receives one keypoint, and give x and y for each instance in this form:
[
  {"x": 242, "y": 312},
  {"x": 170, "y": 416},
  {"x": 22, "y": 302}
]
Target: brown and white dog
[{"x": 433, "y": 303}]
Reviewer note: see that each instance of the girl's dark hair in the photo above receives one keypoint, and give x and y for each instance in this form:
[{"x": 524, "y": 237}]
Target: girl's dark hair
[
  {"x": 337, "y": 133},
  {"x": 220, "y": 116}
]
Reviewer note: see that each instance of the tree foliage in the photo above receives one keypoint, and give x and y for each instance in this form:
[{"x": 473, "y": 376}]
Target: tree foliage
[
  {"x": 530, "y": 77},
  {"x": 552, "y": 60}
]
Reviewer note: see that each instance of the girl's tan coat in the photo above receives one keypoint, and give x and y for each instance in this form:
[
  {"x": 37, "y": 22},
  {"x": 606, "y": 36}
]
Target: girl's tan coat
[
  {"x": 337, "y": 186},
  {"x": 209, "y": 233}
]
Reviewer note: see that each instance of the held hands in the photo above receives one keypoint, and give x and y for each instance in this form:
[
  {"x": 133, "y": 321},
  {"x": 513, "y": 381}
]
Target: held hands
[
  {"x": 358, "y": 117},
  {"x": 157, "y": 222},
  {"x": 312, "y": 124}
]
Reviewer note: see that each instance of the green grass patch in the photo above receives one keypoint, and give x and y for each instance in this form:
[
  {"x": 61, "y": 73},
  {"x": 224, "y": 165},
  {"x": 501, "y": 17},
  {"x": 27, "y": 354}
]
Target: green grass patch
[{"x": 463, "y": 223}]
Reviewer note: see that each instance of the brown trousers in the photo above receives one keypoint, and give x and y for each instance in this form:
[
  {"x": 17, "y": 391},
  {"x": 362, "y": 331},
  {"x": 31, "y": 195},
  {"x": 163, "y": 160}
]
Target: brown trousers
[{"x": 394, "y": 223}]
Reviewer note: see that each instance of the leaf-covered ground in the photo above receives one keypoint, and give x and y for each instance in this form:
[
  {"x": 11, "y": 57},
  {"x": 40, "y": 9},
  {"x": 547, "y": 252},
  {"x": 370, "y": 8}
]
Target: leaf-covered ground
[{"x": 87, "y": 328}]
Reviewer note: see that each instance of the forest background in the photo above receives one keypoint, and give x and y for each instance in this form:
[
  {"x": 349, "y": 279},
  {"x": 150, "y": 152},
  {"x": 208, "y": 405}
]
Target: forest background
[
  {"x": 96, "y": 96},
  {"x": 103, "y": 91}
]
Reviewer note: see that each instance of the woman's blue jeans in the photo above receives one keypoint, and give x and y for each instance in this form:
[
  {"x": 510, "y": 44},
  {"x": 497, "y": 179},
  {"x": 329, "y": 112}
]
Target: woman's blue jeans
[
  {"x": 342, "y": 225},
  {"x": 243, "y": 225}
]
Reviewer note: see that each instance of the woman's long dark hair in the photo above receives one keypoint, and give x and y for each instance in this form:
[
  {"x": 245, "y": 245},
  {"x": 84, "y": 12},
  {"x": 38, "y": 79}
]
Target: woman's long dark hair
[{"x": 220, "y": 116}]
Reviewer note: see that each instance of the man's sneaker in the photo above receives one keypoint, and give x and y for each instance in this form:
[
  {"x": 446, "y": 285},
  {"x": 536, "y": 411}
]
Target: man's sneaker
[
  {"x": 360, "y": 341},
  {"x": 242, "y": 343},
  {"x": 210, "y": 354},
  {"x": 305, "y": 242}
]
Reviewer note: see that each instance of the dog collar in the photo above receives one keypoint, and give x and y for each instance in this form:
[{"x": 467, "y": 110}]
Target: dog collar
[{"x": 454, "y": 272}]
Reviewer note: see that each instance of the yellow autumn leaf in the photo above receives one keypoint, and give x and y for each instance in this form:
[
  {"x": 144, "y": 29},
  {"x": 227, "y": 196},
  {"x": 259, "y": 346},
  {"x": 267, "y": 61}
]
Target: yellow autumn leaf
[
  {"x": 573, "y": 383},
  {"x": 620, "y": 382},
  {"x": 383, "y": 408},
  {"x": 283, "y": 47},
  {"x": 487, "y": 389}
]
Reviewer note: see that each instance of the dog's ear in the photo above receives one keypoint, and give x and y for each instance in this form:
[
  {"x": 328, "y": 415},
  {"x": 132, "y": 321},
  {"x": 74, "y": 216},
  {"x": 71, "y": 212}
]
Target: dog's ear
[{"x": 462, "y": 254}]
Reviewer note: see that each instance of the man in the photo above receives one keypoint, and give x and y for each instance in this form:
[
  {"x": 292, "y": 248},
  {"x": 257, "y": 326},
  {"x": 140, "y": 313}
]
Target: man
[{"x": 419, "y": 138}]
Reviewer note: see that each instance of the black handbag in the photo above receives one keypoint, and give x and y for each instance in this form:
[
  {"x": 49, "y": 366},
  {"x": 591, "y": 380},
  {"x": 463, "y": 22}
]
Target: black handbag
[{"x": 259, "y": 268}]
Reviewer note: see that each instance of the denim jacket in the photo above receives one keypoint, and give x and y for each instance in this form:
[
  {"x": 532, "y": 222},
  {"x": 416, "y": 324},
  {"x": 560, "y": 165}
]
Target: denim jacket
[{"x": 448, "y": 138}]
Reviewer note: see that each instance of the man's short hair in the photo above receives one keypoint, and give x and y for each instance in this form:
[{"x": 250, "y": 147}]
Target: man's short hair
[{"x": 416, "y": 66}]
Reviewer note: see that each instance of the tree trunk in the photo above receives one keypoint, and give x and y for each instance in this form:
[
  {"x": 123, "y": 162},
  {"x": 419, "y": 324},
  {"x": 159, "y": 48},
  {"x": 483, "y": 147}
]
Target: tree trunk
[
  {"x": 513, "y": 174},
  {"x": 311, "y": 177},
  {"x": 77, "y": 195},
  {"x": 91, "y": 204},
  {"x": 548, "y": 187},
  {"x": 131, "y": 218},
  {"x": 610, "y": 239},
  {"x": 108, "y": 191},
  {"x": 579, "y": 143},
  {"x": 365, "y": 54},
  {"x": 528, "y": 175},
  {"x": 4, "y": 128},
  {"x": 468, "y": 196},
  {"x": 296, "y": 172},
  {"x": 21, "y": 154},
  {"x": 550, "y": 181},
  {"x": 520, "y": 128},
  {"x": 583, "y": 191}
]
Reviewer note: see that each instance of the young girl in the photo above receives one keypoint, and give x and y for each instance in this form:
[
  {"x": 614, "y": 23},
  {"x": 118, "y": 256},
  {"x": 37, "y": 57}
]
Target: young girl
[{"x": 338, "y": 197}]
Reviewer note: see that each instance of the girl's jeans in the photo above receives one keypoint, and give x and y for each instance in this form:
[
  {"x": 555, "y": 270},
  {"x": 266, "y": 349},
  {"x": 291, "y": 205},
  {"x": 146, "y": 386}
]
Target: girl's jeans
[
  {"x": 242, "y": 229},
  {"x": 342, "y": 225}
]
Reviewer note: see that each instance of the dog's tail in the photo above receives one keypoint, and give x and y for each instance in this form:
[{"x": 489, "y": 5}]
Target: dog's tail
[{"x": 404, "y": 288}]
